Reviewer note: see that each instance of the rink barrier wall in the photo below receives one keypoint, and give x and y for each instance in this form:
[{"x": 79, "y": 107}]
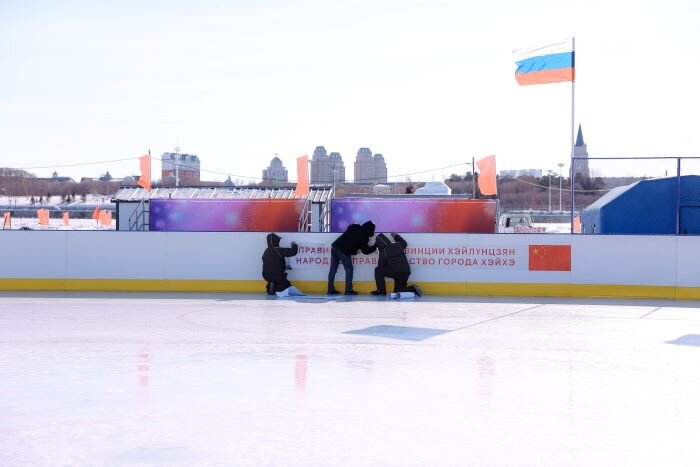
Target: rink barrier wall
[{"x": 601, "y": 266}]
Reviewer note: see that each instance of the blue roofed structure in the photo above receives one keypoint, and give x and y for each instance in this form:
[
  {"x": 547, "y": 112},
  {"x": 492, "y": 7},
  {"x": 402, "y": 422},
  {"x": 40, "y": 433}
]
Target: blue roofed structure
[{"x": 646, "y": 207}]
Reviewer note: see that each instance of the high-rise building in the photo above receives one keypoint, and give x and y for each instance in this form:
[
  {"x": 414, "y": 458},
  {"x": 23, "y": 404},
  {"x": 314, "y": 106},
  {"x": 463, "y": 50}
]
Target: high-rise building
[
  {"x": 188, "y": 170},
  {"x": 581, "y": 150},
  {"x": 325, "y": 168},
  {"x": 337, "y": 167},
  {"x": 370, "y": 169},
  {"x": 275, "y": 173},
  {"x": 380, "y": 172}
]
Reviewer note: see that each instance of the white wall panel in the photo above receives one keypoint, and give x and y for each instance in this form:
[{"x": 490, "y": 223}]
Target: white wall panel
[
  {"x": 520, "y": 273},
  {"x": 214, "y": 255},
  {"x": 617, "y": 260},
  {"x": 623, "y": 259},
  {"x": 116, "y": 255},
  {"x": 33, "y": 255},
  {"x": 688, "y": 263}
]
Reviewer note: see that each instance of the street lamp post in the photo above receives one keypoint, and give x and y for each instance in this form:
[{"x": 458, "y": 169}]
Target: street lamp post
[
  {"x": 561, "y": 209},
  {"x": 473, "y": 178}
]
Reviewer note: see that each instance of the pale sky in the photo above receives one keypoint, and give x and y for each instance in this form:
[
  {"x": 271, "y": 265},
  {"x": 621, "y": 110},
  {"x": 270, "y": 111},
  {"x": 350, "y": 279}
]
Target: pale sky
[{"x": 426, "y": 83}]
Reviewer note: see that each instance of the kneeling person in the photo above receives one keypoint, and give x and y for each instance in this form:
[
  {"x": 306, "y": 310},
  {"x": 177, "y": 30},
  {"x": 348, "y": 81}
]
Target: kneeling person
[
  {"x": 394, "y": 264},
  {"x": 275, "y": 267}
]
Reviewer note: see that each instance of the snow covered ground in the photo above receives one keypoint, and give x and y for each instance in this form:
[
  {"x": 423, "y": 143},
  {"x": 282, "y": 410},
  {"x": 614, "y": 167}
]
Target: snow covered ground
[
  {"x": 57, "y": 224},
  {"x": 55, "y": 206}
]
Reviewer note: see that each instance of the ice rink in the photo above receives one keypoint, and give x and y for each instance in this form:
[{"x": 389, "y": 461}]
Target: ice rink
[{"x": 209, "y": 380}]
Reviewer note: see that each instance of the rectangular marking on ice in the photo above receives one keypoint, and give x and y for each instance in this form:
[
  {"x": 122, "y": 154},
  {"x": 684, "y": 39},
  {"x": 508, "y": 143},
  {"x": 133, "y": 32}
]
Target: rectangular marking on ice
[
  {"x": 688, "y": 339},
  {"x": 399, "y": 332}
]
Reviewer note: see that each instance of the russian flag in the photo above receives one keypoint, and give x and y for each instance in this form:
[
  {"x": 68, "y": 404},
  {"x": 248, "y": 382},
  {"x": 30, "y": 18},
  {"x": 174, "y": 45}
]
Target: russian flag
[{"x": 551, "y": 63}]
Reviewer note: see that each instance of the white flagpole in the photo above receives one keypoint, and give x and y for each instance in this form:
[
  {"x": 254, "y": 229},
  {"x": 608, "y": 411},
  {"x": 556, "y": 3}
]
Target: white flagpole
[{"x": 573, "y": 81}]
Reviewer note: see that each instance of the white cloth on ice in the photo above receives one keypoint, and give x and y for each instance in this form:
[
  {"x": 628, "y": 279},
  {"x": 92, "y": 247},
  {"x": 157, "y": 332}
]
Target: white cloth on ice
[
  {"x": 400, "y": 295},
  {"x": 290, "y": 292}
]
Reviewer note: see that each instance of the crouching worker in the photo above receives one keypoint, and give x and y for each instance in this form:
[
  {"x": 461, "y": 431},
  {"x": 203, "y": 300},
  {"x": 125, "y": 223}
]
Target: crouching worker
[
  {"x": 275, "y": 267},
  {"x": 394, "y": 264}
]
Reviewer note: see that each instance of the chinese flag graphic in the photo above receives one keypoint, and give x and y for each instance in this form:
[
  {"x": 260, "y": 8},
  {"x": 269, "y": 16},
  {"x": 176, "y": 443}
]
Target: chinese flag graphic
[{"x": 550, "y": 258}]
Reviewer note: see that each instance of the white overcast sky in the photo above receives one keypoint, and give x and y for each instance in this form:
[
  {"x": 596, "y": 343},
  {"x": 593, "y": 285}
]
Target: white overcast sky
[{"x": 426, "y": 83}]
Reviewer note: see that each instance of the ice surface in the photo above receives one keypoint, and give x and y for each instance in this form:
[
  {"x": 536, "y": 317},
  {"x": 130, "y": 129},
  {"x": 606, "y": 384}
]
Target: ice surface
[{"x": 199, "y": 380}]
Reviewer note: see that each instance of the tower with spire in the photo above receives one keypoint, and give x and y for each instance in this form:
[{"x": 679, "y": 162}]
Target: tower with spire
[{"x": 581, "y": 150}]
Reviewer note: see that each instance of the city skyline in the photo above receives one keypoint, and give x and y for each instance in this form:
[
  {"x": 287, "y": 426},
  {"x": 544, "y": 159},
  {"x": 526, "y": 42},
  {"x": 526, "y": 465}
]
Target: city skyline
[{"x": 432, "y": 85}]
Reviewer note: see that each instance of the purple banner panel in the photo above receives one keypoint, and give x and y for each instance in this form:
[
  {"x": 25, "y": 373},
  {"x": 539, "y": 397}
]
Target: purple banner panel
[
  {"x": 226, "y": 215},
  {"x": 415, "y": 214}
]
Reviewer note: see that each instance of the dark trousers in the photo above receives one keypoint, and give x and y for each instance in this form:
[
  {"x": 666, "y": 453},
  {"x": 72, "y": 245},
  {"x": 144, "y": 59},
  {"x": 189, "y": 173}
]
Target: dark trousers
[
  {"x": 278, "y": 282},
  {"x": 338, "y": 256},
  {"x": 400, "y": 280}
]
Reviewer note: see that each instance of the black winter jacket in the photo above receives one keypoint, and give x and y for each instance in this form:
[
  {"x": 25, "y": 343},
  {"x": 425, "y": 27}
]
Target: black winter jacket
[
  {"x": 356, "y": 237},
  {"x": 273, "y": 261},
  {"x": 392, "y": 255}
]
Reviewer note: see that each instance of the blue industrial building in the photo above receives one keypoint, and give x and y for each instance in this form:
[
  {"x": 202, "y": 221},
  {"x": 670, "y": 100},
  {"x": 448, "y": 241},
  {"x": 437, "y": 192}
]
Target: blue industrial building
[{"x": 647, "y": 207}]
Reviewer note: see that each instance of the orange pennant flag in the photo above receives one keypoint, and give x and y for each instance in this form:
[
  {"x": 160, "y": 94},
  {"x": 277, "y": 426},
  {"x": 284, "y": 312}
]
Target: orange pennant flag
[
  {"x": 103, "y": 217},
  {"x": 109, "y": 218},
  {"x": 8, "y": 220},
  {"x": 577, "y": 224},
  {"x": 145, "y": 179},
  {"x": 550, "y": 258},
  {"x": 487, "y": 175},
  {"x": 302, "y": 188},
  {"x": 96, "y": 213},
  {"x": 65, "y": 218}
]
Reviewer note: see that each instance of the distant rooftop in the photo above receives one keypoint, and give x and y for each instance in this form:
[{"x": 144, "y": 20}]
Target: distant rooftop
[{"x": 318, "y": 194}]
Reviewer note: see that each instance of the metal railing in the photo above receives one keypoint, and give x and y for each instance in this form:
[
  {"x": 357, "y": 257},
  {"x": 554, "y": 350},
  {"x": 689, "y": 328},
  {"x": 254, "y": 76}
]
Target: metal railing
[
  {"x": 326, "y": 212},
  {"x": 305, "y": 216},
  {"x": 140, "y": 218}
]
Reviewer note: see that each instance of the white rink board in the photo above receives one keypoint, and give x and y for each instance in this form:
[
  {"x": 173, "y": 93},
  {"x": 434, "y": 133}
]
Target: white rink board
[
  {"x": 93, "y": 255},
  {"x": 624, "y": 259},
  {"x": 30, "y": 254},
  {"x": 628, "y": 260}
]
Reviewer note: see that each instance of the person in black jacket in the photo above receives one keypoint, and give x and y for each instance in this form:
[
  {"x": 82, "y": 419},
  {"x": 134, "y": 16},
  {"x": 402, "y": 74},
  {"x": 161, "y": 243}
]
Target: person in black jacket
[
  {"x": 394, "y": 264},
  {"x": 275, "y": 266},
  {"x": 356, "y": 237}
]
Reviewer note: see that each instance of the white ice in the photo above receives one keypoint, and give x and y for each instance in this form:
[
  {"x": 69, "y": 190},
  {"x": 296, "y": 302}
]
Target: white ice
[{"x": 209, "y": 380}]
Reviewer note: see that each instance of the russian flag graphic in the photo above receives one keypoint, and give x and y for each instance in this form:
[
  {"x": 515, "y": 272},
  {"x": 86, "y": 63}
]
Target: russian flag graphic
[{"x": 551, "y": 63}]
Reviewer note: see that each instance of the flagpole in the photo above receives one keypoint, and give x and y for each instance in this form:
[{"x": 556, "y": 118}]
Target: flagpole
[{"x": 573, "y": 82}]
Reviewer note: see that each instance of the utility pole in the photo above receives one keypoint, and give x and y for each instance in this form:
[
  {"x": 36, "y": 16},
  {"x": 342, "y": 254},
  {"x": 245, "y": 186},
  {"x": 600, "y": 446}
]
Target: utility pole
[
  {"x": 561, "y": 209},
  {"x": 177, "y": 166},
  {"x": 549, "y": 172},
  {"x": 473, "y": 180}
]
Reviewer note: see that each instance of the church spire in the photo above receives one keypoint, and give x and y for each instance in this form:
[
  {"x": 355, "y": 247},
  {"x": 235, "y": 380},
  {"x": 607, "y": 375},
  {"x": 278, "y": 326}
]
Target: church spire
[{"x": 579, "y": 137}]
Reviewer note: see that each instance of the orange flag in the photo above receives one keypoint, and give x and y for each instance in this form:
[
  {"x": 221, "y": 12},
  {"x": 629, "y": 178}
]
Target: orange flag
[
  {"x": 43, "y": 216},
  {"x": 577, "y": 224},
  {"x": 65, "y": 219},
  {"x": 550, "y": 258},
  {"x": 96, "y": 213},
  {"x": 103, "y": 217},
  {"x": 145, "y": 179},
  {"x": 8, "y": 220},
  {"x": 109, "y": 218},
  {"x": 302, "y": 188},
  {"x": 487, "y": 175}
]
